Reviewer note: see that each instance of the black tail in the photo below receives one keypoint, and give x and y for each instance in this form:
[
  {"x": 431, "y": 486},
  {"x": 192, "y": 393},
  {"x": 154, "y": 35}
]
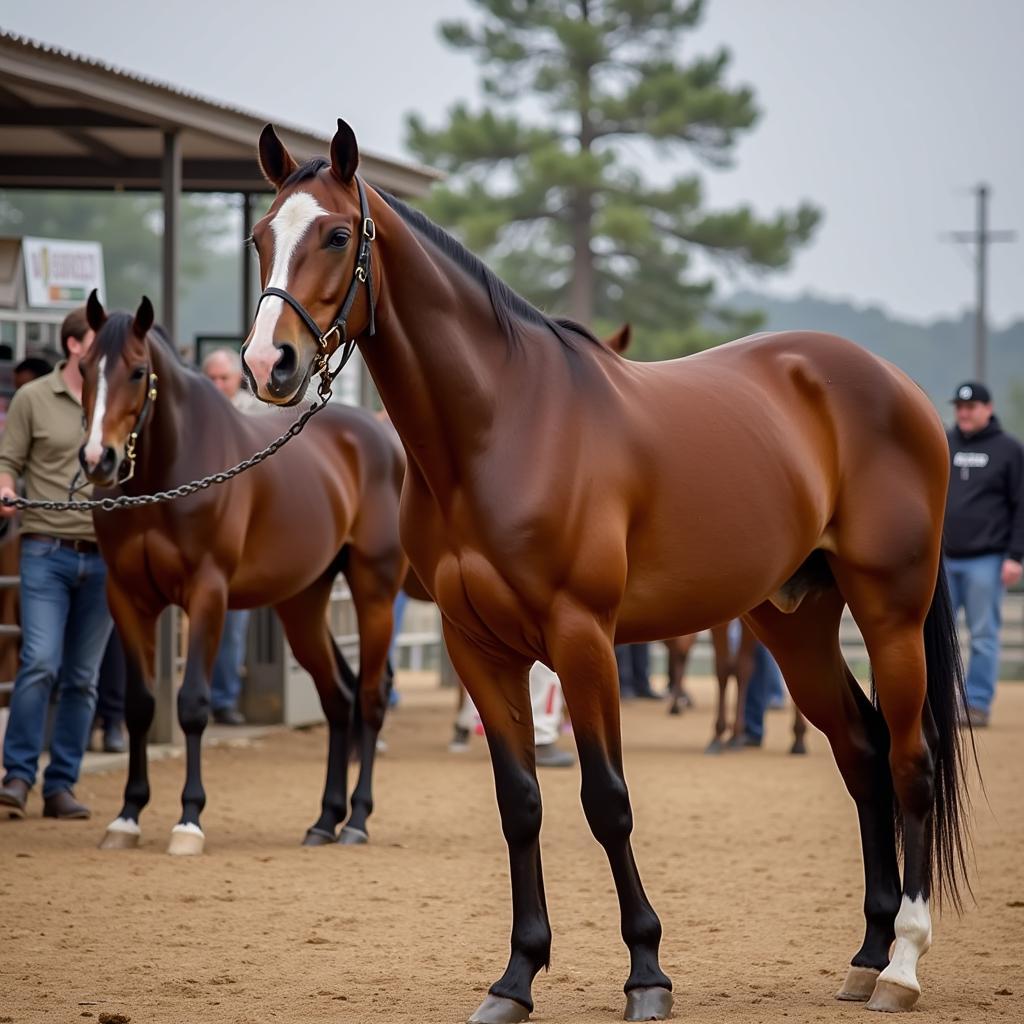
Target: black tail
[{"x": 951, "y": 742}]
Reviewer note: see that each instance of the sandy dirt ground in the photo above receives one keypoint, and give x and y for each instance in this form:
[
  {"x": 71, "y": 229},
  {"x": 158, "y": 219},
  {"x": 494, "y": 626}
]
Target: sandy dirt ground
[{"x": 751, "y": 859}]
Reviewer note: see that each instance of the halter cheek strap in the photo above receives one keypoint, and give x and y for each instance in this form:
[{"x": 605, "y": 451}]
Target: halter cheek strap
[{"x": 361, "y": 275}]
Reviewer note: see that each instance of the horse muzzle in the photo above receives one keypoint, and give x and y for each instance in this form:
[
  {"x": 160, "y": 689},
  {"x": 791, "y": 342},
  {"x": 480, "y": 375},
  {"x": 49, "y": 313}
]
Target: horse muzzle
[
  {"x": 100, "y": 466},
  {"x": 277, "y": 374}
]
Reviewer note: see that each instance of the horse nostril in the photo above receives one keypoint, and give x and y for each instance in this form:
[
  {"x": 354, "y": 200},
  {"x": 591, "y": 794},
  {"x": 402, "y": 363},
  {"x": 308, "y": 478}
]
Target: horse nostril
[
  {"x": 107, "y": 460},
  {"x": 286, "y": 365}
]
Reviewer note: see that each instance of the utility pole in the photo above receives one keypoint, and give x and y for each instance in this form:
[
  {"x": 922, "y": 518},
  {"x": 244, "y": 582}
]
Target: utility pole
[{"x": 981, "y": 237}]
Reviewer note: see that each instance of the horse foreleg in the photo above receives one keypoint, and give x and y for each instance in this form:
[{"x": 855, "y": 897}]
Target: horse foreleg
[
  {"x": 138, "y": 637},
  {"x": 500, "y": 688},
  {"x": 584, "y": 659},
  {"x": 206, "y": 607}
]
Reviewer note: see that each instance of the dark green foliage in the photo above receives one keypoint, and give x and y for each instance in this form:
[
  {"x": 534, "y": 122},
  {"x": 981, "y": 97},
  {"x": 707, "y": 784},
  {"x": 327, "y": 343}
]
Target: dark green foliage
[{"x": 549, "y": 189}]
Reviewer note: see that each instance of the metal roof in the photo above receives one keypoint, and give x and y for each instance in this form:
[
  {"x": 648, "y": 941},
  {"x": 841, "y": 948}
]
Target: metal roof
[{"x": 70, "y": 121}]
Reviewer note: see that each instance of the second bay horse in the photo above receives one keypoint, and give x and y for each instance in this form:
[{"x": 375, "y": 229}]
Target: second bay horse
[
  {"x": 559, "y": 498},
  {"x": 276, "y": 535}
]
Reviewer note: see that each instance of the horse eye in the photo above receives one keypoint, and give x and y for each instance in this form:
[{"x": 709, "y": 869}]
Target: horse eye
[
  {"x": 138, "y": 373},
  {"x": 338, "y": 240}
]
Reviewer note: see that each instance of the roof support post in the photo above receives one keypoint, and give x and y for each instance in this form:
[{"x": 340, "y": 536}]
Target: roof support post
[
  {"x": 171, "y": 187},
  {"x": 247, "y": 262}
]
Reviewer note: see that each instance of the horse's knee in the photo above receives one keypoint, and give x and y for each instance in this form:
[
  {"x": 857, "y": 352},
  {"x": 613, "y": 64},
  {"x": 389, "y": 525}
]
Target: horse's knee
[
  {"x": 193, "y": 709},
  {"x": 519, "y": 803},
  {"x": 606, "y": 805},
  {"x": 139, "y": 711}
]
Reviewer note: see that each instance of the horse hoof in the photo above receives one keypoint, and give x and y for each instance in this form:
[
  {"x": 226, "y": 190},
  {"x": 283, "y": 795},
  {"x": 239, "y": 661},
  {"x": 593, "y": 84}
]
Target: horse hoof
[
  {"x": 737, "y": 742},
  {"x": 889, "y": 997},
  {"x": 674, "y": 709},
  {"x": 799, "y": 747},
  {"x": 121, "y": 834},
  {"x": 499, "y": 1010},
  {"x": 648, "y": 1004},
  {"x": 353, "y": 837},
  {"x": 319, "y": 837},
  {"x": 859, "y": 984},
  {"x": 716, "y": 746},
  {"x": 186, "y": 841}
]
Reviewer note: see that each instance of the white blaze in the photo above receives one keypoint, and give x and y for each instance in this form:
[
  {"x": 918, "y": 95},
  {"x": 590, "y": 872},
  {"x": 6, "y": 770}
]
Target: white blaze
[
  {"x": 913, "y": 939},
  {"x": 292, "y": 221},
  {"x": 94, "y": 444}
]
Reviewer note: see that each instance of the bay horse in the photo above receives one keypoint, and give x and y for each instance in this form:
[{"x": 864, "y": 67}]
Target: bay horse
[
  {"x": 276, "y": 535},
  {"x": 729, "y": 664},
  {"x": 559, "y": 498}
]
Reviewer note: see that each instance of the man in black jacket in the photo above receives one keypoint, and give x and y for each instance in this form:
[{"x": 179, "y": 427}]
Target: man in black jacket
[{"x": 984, "y": 533}]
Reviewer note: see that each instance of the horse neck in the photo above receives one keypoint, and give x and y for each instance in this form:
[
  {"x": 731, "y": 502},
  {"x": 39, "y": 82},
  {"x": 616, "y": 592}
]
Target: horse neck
[
  {"x": 439, "y": 358},
  {"x": 166, "y": 431}
]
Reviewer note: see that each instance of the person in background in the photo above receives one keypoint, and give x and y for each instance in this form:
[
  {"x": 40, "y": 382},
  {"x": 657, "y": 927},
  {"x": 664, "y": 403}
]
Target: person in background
[
  {"x": 29, "y": 369},
  {"x": 223, "y": 367},
  {"x": 546, "y": 702},
  {"x": 983, "y": 539},
  {"x": 765, "y": 684},
  {"x": 64, "y": 618},
  {"x": 633, "y": 661}
]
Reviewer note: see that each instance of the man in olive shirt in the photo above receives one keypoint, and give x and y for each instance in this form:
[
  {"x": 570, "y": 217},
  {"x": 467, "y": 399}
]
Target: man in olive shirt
[{"x": 64, "y": 618}]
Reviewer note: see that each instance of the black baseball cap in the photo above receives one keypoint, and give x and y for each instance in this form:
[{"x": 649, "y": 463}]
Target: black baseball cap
[{"x": 972, "y": 391}]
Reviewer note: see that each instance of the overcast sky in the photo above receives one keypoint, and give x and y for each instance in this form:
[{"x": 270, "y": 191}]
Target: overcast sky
[{"x": 885, "y": 112}]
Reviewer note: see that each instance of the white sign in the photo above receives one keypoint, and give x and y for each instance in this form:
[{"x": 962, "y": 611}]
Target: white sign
[{"x": 60, "y": 273}]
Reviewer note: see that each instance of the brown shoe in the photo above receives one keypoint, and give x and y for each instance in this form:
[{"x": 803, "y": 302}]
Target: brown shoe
[
  {"x": 64, "y": 805},
  {"x": 13, "y": 795}
]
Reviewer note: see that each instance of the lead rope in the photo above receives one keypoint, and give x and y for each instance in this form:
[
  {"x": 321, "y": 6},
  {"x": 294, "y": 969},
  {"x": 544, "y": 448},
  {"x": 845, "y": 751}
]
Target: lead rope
[{"x": 324, "y": 390}]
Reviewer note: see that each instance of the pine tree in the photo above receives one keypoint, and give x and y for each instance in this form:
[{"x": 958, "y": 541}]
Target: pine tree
[{"x": 544, "y": 180}]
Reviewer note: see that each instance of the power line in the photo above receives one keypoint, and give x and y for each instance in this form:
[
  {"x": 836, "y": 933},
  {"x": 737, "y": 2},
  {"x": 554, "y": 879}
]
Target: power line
[{"x": 981, "y": 237}]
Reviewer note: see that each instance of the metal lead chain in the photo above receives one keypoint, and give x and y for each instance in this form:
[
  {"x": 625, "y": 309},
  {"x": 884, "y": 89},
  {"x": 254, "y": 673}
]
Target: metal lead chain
[{"x": 184, "y": 490}]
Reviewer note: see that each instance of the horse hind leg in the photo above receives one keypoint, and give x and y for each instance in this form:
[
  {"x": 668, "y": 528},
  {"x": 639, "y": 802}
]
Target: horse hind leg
[
  {"x": 910, "y": 634},
  {"x": 723, "y": 670},
  {"x": 806, "y": 645},
  {"x": 374, "y": 577},
  {"x": 304, "y": 618}
]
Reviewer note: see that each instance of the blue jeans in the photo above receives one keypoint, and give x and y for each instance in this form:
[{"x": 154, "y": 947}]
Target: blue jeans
[
  {"x": 764, "y": 684},
  {"x": 226, "y": 685},
  {"x": 65, "y": 625},
  {"x": 397, "y": 615},
  {"x": 633, "y": 661},
  {"x": 975, "y": 585}
]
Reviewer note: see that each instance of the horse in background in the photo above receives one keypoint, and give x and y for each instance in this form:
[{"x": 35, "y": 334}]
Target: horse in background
[{"x": 276, "y": 535}]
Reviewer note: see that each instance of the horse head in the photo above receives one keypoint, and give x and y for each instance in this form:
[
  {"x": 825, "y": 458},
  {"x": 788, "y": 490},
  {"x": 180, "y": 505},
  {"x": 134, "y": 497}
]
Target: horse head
[
  {"x": 314, "y": 251},
  {"x": 118, "y": 388}
]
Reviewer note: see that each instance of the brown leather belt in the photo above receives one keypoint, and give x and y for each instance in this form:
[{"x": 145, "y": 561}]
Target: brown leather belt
[{"x": 82, "y": 547}]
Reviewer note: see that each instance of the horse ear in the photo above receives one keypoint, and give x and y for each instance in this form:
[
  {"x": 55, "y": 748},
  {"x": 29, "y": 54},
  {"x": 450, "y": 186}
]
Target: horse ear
[
  {"x": 276, "y": 162},
  {"x": 94, "y": 311},
  {"x": 144, "y": 317},
  {"x": 344, "y": 153},
  {"x": 619, "y": 341}
]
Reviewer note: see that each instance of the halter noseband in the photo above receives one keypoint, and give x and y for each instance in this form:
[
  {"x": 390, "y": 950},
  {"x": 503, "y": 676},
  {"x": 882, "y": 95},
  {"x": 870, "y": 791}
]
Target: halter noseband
[{"x": 362, "y": 274}]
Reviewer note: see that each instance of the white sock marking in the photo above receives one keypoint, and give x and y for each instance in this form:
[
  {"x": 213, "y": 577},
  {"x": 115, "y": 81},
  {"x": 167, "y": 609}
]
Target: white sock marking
[{"x": 913, "y": 939}]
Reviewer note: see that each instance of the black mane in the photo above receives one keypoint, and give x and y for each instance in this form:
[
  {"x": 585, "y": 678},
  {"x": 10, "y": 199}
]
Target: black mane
[
  {"x": 510, "y": 308},
  {"x": 112, "y": 336}
]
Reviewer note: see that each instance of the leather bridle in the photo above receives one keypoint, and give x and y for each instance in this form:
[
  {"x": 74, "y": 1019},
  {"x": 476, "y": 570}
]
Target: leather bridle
[{"x": 361, "y": 275}]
